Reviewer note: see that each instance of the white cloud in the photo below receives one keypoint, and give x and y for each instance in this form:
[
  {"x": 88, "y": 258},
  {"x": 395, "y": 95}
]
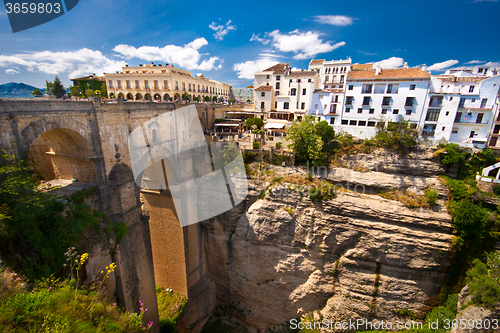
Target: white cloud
[
  {"x": 340, "y": 20},
  {"x": 474, "y": 62},
  {"x": 221, "y": 30},
  {"x": 494, "y": 64},
  {"x": 75, "y": 63},
  {"x": 304, "y": 44},
  {"x": 246, "y": 70},
  {"x": 11, "y": 71},
  {"x": 485, "y": 1},
  {"x": 393, "y": 62},
  {"x": 186, "y": 56},
  {"x": 258, "y": 39},
  {"x": 439, "y": 66}
]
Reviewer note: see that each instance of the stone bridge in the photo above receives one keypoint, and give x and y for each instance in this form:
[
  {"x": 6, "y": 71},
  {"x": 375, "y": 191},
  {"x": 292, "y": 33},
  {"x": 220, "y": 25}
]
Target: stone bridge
[{"x": 87, "y": 141}]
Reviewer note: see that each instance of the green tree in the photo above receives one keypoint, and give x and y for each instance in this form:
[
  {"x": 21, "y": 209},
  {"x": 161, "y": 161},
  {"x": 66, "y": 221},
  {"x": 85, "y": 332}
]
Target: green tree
[
  {"x": 89, "y": 93},
  {"x": 327, "y": 134},
  {"x": 48, "y": 87},
  {"x": 75, "y": 91},
  {"x": 399, "y": 135},
  {"x": 484, "y": 281},
  {"x": 214, "y": 98},
  {"x": 470, "y": 221},
  {"x": 104, "y": 90},
  {"x": 250, "y": 122},
  {"x": 37, "y": 92},
  {"x": 57, "y": 89},
  {"x": 185, "y": 96},
  {"x": 307, "y": 141},
  {"x": 207, "y": 98},
  {"x": 196, "y": 98},
  {"x": 97, "y": 93}
]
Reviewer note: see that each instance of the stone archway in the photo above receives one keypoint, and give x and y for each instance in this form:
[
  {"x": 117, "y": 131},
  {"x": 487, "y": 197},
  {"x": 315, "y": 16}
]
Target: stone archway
[
  {"x": 177, "y": 97},
  {"x": 147, "y": 96},
  {"x": 138, "y": 96},
  {"x": 120, "y": 96},
  {"x": 157, "y": 97},
  {"x": 62, "y": 153},
  {"x": 166, "y": 97},
  {"x": 130, "y": 96}
]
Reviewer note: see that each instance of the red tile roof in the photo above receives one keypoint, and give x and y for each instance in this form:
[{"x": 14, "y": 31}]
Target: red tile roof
[
  {"x": 264, "y": 88},
  {"x": 303, "y": 73},
  {"x": 398, "y": 73},
  {"x": 278, "y": 68},
  {"x": 361, "y": 67},
  {"x": 317, "y": 62}
]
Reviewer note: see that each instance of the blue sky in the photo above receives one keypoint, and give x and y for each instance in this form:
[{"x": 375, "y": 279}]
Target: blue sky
[{"x": 229, "y": 40}]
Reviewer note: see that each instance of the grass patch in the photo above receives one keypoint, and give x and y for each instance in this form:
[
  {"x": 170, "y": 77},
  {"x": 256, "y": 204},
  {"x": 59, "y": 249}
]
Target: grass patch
[
  {"x": 408, "y": 198},
  {"x": 170, "y": 307}
]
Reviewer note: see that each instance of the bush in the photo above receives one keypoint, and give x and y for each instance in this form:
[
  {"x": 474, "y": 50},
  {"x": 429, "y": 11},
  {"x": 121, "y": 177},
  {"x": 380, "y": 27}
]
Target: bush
[
  {"x": 483, "y": 281},
  {"x": 496, "y": 189},
  {"x": 432, "y": 197},
  {"x": 279, "y": 145},
  {"x": 470, "y": 221},
  {"x": 458, "y": 189},
  {"x": 453, "y": 154},
  {"x": 256, "y": 145},
  {"x": 323, "y": 191}
]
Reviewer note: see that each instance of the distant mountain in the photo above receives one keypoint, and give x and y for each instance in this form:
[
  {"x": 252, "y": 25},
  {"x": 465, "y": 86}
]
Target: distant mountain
[{"x": 17, "y": 90}]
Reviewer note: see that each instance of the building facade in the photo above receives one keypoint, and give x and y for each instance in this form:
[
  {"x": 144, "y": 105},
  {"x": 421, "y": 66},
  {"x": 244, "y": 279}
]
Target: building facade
[{"x": 157, "y": 82}]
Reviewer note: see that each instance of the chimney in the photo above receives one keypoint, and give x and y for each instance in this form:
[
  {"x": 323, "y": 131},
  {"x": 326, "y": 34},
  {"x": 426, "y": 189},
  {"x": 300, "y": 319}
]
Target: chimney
[
  {"x": 378, "y": 69},
  {"x": 405, "y": 65},
  {"x": 424, "y": 67},
  {"x": 126, "y": 65}
]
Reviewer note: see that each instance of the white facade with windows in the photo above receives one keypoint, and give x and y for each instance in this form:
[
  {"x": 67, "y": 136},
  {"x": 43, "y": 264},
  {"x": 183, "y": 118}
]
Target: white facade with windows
[
  {"x": 378, "y": 96},
  {"x": 461, "y": 108}
]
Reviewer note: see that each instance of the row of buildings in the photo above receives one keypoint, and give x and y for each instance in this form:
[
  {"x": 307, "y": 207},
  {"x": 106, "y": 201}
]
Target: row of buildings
[
  {"x": 159, "y": 83},
  {"x": 458, "y": 106}
]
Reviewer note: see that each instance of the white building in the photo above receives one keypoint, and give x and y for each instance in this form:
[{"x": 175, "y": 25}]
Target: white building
[
  {"x": 378, "y": 96},
  {"x": 283, "y": 94},
  {"x": 461, "y": 108},
  {"x": 242, "y": 95}
]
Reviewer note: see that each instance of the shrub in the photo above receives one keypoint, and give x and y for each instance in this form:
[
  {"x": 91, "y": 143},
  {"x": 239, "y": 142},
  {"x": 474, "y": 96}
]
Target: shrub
[
  {"x": 323, "y": 191},
  {"x": 408, "y": 198},
  {"x": 483, "y": 279},
  {"x": 470, "y": 221},
  {"x": 279, "y": 145},
  {"x": 256, "y": 145},
  {"x": 496, "y": 189},
  {"x": 458, "y": 189},
  {"x": 432, "y": 197}
]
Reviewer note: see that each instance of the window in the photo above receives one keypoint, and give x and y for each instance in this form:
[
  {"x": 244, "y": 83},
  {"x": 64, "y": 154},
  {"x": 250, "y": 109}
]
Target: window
[
  {"x": 156, "y": 85},
  {"x": 276, "y": 104},
  {"x": 386, "y": 101},
  {"x": 146, "y": 84},
  {"x": 326, "y": 78},
  {"x": 293, "y": 92},
  {"x": 432, "y": 115},
  {"x": 458, "y": 117},
  {"x": 277, "y": 85},
  {"x": 462, "y": 102},
  {"x": 480, "y": 70},
  {"x": 332, "y": 121},
  {"x": 262, "y": 105},
  {"x": 366, "y": 100},
  {"x": 303, "y": 91},
  {"x": 344, "y": 122},
  {"x": 276, "y": 93},
  {"x": 127, "y": 84},
  {"x": 473, "y": 100},
  {"x": 471, "y": 89},
  {"x": 286, "y": 106},
  {"x": 392, "y": 88},
  {"x": 454, "y": 130},
  {"x": 412, "y": 86},
  {"x": 315, "y": 106},
  {"x": 362, "y": 123},
  {"x": 349, "y": 100},
  {"x": 333, "y": 108},
  {"x": 309, "y": 80},
  {"x": 278, "y": 77},
  {"x": 262, "y": 94},
  {"x": 442, "y": 129},
  {"x": 389, "y": 88},
  {"x": 436, "y": 101},
  {"x": 395, "y": 111},
  {"x": 409, "y": 101},
  {"x": 336, "y": 98},
  {"x": 372, "y": 111},
  {"x": 299, "y": 80},
  {"x": 451, "y": 98},
  {"x": 324, "y": 107},
  {"x": 479, "y": 118},
  {"x": 347, "y": 110},
  {"x": 429, "y": 130},
  {"x": 110, "y": 84},
  {"x": 176, "y": 85},
  {"x": 353, "y": 122},
  {"x": 447, "y": 113},
  {"x": 472, "y": 134},
  {"x": 483, "y": 103},
  {"x": 408, "y": 112},
  {"x": 384, "y": 111},
  {"x": 267, "y": 77},
  {"x": 371, "y": 124},
  {"x": 119, "y": 84},
  {"x": 360, "y": 110},
  {"x": 379, "y": 88},
  {"x": 136, "y": 84},
  {"x": 367, "y": 89},
  {"x": 350, "y": 87},
  {"x": 302, "y": 106}
]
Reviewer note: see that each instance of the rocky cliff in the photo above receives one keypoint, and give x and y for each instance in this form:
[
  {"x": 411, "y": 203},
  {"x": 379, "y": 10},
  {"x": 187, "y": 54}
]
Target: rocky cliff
[{"x": 356, "y": 255}]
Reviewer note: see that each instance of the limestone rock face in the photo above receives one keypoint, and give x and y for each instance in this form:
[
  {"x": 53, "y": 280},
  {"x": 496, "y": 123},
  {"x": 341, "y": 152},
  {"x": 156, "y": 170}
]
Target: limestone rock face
[
  {"x": 354, "y": 256},
  {"x": 419, "y": 162}
]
